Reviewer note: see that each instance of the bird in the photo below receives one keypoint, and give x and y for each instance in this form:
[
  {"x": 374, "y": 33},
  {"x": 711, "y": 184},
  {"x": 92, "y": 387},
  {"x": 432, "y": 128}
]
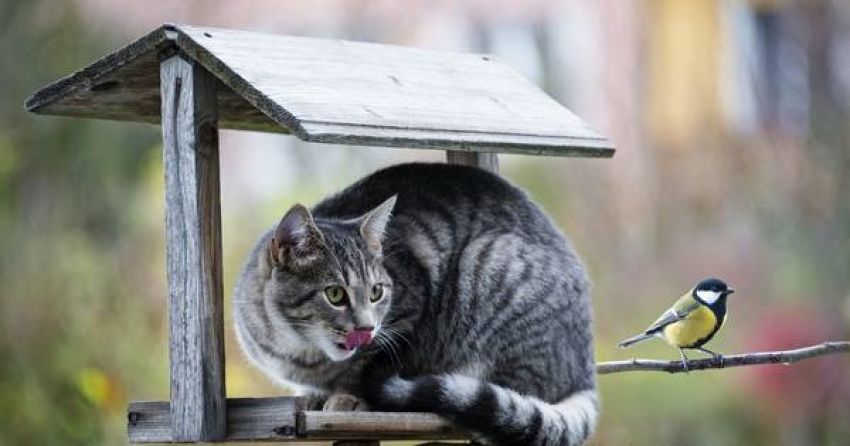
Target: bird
[{"x": 692, "y": 321}]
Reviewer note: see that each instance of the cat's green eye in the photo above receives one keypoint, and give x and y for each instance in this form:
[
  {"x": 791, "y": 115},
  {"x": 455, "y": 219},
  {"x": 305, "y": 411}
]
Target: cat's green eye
[
  {"x": 377, "y": 292},
  {"x": 335, "y": 295}
]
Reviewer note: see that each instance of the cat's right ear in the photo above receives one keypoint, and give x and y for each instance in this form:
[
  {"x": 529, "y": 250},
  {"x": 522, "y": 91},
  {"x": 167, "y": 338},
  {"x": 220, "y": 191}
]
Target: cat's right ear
[
  {"x": 373, "y": 225},
  {"x": 297, "y": 243}
]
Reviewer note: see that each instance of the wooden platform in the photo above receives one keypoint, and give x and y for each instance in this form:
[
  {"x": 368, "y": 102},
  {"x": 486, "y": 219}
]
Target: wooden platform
[{"x": 284, "y": 419}]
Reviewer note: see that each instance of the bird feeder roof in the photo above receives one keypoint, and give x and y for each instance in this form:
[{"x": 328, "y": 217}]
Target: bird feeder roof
[{"x": 334, "y": 91}]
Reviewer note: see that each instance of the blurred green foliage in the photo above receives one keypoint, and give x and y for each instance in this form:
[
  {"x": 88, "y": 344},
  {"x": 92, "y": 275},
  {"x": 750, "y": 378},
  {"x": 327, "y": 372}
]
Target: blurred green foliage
[
  {"x": 82, "y": 306},
  {"x": 77, "y": 318}
]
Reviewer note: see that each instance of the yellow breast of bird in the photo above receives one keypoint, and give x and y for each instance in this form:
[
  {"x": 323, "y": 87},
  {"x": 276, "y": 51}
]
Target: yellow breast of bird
[{"x": 697, "y": 325}]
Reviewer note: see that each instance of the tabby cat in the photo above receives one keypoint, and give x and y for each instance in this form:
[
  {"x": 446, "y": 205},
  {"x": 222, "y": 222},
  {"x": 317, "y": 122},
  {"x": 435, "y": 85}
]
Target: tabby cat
[{"x": 433, "y": 288}]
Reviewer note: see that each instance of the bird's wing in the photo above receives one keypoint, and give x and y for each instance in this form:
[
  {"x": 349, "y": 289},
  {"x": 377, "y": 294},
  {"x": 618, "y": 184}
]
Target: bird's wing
[{"x": 680, "y": 310}]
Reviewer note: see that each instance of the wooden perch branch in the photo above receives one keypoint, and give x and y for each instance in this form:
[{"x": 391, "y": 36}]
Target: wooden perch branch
[{"x": 778, "y": 357}]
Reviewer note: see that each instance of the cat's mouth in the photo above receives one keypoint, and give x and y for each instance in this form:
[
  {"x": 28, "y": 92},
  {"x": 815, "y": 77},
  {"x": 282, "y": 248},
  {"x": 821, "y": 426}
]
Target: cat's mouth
[
  {"x": 355, "y": 339},
  {"x": 336, "y": 351},
  {"x": 340, "y": 346}
]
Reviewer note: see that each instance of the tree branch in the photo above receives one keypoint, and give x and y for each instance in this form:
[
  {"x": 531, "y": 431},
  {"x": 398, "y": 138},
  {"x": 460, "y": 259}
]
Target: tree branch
[{"x": 778, "y": 357}]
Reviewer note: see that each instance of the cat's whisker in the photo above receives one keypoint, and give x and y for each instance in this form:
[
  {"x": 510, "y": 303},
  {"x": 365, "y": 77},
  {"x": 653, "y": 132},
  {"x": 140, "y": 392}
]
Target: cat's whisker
[
  {"x": 392, "y": 330},
  {"x": 389, "y": 335},
  {"x": 388, "y": 347},
  {"x": 382, "y": 346},
  {"x": 395, "y": 346}
]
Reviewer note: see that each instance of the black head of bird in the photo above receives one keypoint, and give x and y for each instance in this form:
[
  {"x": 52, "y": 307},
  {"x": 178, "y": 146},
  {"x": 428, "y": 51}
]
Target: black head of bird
[{"x": 711, "y": 291}]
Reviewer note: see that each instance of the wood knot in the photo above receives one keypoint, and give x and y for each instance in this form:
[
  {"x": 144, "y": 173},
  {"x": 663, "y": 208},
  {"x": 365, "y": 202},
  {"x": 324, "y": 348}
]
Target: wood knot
[
  {"x": 284, "y": 431},
  {"x": 133, "y": 418}
]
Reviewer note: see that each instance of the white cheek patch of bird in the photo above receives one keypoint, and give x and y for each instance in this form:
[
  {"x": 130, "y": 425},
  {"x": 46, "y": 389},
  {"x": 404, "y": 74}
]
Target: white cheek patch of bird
[{"x": 691, "y": 322}]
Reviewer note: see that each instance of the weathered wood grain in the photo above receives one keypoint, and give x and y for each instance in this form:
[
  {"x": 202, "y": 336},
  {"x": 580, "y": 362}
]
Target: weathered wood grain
[
  {"x": 282, "y": 419},
  {"x": 357, "y": 443},
  {"x": 266, "y": 419},
  {"x": 149, "y": 422},
  {"x": 124, "y": 86},
  {"x": 316, "y": 425},
  {"x": 193, "y": 234},
  {"x": 334, "y": 91},
  {"x": 482, "y": 160}
]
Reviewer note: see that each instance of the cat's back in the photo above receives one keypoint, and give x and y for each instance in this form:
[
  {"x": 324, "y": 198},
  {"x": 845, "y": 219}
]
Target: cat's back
[{"x": 451, "y": 192}]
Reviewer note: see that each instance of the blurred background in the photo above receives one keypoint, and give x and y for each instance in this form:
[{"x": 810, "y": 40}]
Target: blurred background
[{"x": 732, "y": 123}]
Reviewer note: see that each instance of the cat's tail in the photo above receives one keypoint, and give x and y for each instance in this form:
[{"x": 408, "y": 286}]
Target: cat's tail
[{"x": 494, "y": 414}]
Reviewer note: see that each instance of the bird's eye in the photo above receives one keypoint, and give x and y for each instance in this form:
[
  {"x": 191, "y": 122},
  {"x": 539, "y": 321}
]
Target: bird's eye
[
  {"x": 336, "y": 295},
  {"x": 377, "y": 292}
]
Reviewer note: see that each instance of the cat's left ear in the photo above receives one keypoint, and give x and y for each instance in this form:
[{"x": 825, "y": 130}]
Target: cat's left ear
[{"x": 373, "y": 225}]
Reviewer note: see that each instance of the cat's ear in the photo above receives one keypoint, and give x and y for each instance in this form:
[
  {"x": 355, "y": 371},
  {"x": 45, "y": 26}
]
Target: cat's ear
[
  {"x": 297, "y": 243},
  {"x": 373, "y": 225}
]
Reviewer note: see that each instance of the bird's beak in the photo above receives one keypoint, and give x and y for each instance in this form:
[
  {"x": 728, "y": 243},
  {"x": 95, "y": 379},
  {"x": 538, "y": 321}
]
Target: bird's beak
[{"x": 730, "y": 291}]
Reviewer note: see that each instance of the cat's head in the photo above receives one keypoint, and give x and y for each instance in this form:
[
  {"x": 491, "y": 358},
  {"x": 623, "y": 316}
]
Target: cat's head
[{"x": 327, "y": 281}]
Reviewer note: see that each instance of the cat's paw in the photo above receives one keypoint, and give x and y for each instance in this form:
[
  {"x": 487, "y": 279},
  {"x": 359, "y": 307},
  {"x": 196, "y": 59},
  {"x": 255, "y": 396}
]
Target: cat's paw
[{"x": 345, "y": 403}]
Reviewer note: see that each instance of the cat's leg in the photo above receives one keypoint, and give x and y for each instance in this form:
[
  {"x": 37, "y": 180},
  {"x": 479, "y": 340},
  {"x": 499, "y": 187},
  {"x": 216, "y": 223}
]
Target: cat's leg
[
  {"x": 314, "y": 401},
  {"x": 336, "y": 402},
  {"x": 345, "y": 402}
]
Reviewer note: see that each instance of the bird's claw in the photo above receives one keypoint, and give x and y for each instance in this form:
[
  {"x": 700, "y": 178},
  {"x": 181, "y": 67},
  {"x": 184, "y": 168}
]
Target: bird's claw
[
  {"x": 684, "y": 361},
  {"x": 718, "y": 359}
]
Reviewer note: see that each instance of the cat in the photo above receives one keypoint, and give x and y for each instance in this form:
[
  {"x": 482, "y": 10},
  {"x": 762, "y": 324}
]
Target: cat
[{"x": 427, "y": 288}]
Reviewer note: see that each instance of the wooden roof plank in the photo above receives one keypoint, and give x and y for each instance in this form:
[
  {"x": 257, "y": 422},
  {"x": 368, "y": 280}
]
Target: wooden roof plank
[
  {"x": 124, "y": 86},
  {"x": 335, "y": 91}
]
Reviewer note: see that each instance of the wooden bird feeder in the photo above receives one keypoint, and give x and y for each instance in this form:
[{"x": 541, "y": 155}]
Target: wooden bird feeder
[{"x": 194, "y": 81}]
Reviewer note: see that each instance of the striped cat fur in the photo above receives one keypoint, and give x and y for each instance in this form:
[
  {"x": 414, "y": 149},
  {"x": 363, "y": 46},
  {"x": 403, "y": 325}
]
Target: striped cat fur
[{"x": 483, "y": 314}]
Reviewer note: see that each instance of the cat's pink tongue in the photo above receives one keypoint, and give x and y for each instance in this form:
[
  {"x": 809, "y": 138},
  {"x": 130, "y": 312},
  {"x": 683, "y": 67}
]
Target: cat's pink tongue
[{"x": 356, "y": 338}]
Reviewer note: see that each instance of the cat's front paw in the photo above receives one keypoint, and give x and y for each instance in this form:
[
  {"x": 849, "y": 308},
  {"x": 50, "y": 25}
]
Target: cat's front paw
[{"x": 344, "y": 402}]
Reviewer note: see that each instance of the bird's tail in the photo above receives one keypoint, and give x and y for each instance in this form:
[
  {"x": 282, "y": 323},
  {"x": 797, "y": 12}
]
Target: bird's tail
[
  {"x": 635, "y": 339},
  {"x": 494, "y": 414}
]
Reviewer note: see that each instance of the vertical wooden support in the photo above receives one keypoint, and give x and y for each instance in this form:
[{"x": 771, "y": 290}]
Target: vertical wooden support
[
  {"x": 483, "y": 160},
  {"x": 193, "y": 226}
]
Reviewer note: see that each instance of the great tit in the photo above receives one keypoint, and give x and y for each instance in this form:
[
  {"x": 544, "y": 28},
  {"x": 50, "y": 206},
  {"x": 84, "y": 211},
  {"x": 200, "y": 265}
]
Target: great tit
[{"x": 692, "y": 321}]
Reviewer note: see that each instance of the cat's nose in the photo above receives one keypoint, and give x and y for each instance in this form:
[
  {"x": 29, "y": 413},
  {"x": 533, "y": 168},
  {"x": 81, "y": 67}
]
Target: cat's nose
[{"x": 365, "y": 328}]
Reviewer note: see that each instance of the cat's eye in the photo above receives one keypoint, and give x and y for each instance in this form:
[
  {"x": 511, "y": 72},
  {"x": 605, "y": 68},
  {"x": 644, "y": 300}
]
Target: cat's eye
[
  {"x": 377, "y": 292},
  {"x": 335, "y": 295}
]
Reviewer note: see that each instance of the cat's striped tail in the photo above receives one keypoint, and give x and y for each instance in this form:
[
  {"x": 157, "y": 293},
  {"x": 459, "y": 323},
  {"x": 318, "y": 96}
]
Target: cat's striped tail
[{"x": 494, "y": 414}]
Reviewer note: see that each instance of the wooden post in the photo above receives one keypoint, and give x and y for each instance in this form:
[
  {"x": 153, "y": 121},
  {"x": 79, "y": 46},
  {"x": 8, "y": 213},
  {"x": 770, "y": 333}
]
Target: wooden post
[
  {"x": 193, "y": 228},
  {"x": 484, "y": 160}
]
